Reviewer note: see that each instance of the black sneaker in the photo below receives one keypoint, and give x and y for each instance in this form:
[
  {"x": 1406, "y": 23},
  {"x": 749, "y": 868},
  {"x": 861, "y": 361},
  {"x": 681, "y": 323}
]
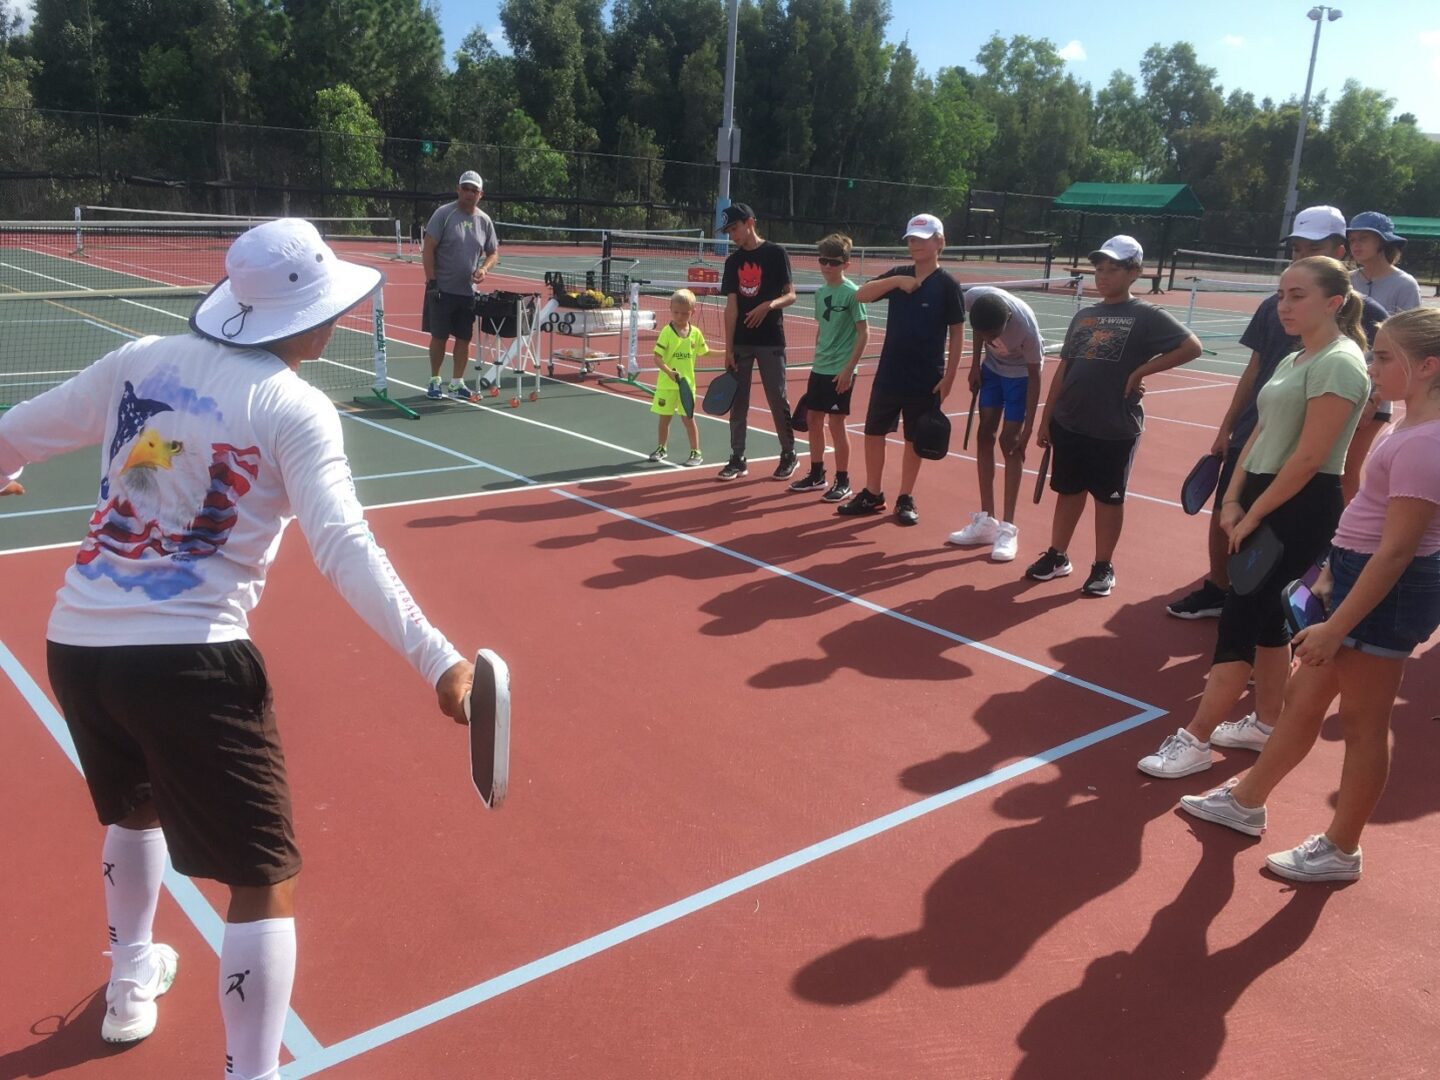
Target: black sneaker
[
  {"x": 905, "y": 510},
  {"x": 839, "y": 491},
  {"x": 867, "y": 502},
  {"x": 786, "y": 466},
  {"x": 814, "y": 480},
  {"x": 1101, "y": 580},
  {"x": 1052, "y": 564},
  {"x": 1205, "y": 602},
  {"x": 733, "y": 468}
]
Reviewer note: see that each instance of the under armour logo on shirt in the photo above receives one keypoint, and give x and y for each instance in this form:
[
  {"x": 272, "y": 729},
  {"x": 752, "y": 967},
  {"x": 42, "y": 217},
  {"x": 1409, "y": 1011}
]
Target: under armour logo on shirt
[
  {"x": 829, "y": 307},
  {"x": 237, "y": 984},
  {"x": 108, "y": 876}
]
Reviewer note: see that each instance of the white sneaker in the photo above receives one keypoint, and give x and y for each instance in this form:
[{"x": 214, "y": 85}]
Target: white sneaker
[
  {"x": 1244, "y": 734},
  {"x": 1179, "y": 755},
  {"x": 1220, "y": 807},
  {"x": 130, "y": 1010},
  {"x": 982, "y": 530},
  {"x": 1007, "y": 540},
  {"x": 1317, "y": 859}
]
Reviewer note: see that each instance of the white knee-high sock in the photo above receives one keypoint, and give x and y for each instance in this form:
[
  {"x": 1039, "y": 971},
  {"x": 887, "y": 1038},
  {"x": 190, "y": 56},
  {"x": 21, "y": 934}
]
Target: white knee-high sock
[
  {"x": 257, "y": 971},
  {"x": 132, "y": 867}
]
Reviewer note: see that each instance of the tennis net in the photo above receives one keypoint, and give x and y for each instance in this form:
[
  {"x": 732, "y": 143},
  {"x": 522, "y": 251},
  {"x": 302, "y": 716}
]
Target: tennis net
[
  {"x": 42, "y": 256},
  {"x": 1218, "y": 268},
  {"x": 45, "y": 338},
  {"x": 1217, "y": 322}
]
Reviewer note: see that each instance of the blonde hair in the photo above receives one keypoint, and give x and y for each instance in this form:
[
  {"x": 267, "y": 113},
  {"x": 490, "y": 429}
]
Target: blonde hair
[
  {"x": 835, "y": 246},
  {"x": 1333, "y": 280},
  {"x": 685, "y": 296},
  {"x": 1416, "y": 333}
]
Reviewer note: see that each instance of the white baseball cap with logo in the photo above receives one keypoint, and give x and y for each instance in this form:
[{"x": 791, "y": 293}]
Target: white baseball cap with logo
[
  {"x": 1121, "y": 248},
  {"x": 471, "y": 177},
  {"x": 1318, "y": 223},
  {"x": 925, "y": 226},
  {"x": 281, "y": 279}
]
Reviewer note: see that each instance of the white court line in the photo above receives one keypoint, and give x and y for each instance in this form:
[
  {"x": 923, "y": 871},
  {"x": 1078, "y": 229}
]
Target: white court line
[{"x": 1187, "y": 389}]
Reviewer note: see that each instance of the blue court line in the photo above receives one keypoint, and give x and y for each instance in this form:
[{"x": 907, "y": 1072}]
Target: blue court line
[
  {"x": 298, "y": 1039},
  {"x": 465, "y": 999}
]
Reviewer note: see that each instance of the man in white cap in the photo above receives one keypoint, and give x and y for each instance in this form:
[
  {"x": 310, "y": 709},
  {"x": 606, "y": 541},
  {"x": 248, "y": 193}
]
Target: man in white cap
[
  {"x": 1093, "y": 417},
  {"x": 210, "y": 444},
  {"x": 924, "y": 335},
  {"x": 460, "y": 249}
]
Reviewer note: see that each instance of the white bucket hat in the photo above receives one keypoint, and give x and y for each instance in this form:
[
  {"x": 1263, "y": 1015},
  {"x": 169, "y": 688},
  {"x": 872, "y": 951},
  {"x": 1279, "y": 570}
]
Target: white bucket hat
[{"x": 281, "y": 279}]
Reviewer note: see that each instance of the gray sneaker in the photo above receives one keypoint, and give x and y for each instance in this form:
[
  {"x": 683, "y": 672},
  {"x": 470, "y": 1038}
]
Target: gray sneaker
[
  {"x": 1317, "y": 859},
  {"x": 1179, "y": 755},
  {"x": 1220, "y": 807},
  {"x": 1243, "y": 734}
]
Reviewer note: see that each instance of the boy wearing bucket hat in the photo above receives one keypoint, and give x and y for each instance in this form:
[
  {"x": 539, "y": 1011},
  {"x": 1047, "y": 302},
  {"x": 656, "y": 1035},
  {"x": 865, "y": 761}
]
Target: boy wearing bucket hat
[
  {"x": 460, "y": 249},
  {"x": 1376, "y": 249},
  {"x": 210, "y": 443}
]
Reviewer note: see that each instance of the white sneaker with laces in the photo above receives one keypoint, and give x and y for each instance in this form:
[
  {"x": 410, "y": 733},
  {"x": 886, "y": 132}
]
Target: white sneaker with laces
[
  {"x": 1179, "y": 755},
  {"x": 1317, "y": 859},
  {"x": 1220, "y": 807},
  {"x": 1007, "y": 542},
  {"x": 982, "y": 530},
  {"x": 130, "y": 1009},
  {"x": 1242, "y": 734}
]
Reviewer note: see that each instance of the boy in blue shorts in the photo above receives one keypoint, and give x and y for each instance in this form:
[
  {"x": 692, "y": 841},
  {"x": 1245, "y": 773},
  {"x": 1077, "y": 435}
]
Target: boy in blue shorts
[
  {"x": 840, "y": 342},
  {"x": 1005, "y": 373}
]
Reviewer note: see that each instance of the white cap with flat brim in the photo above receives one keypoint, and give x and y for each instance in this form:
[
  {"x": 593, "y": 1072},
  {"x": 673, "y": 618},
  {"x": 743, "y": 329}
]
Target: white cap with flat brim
[{"x": 281, "y": 279}]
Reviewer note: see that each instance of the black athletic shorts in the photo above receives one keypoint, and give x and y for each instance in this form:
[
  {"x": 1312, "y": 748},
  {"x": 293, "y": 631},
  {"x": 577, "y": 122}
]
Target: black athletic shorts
[
  {"x": 886, "y": 409},
  {"x": 822, "y": 397},
  {"x": 448, "y": 315},
  {"x": 193, "y": 728},
  {"x": 1081, "y": 463}
]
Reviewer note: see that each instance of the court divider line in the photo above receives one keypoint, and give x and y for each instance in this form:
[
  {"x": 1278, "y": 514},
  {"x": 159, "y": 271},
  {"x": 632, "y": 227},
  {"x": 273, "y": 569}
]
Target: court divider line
[{"x": 298, "y": 1039}]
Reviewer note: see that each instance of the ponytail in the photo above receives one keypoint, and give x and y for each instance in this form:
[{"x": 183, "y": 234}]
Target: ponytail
[{"x": 1348, "y": 319}]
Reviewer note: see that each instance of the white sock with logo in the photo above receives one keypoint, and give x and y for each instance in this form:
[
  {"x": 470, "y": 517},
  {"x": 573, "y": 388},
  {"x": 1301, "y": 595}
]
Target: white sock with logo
[
  {"x": 257, "y": 972},
  {"x": 132, "y": 865}
]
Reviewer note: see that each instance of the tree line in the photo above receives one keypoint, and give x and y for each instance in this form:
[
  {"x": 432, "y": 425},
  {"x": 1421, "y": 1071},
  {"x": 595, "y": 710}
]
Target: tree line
[{"x": 820, "y": 94}]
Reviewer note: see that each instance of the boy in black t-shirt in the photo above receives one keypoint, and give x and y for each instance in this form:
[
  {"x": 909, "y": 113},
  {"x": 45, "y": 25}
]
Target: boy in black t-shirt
[
  {"x": 1093, "y": 417},
  {"x": 757, "y": 287},
  {"x": 924, "y": 334}
]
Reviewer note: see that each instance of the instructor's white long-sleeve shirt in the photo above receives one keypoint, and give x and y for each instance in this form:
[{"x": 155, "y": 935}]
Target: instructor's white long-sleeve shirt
[{"x": 207, "y": 453}]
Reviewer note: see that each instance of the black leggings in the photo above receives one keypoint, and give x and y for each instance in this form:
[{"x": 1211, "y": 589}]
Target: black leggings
[{"x": 1305, "y": 526}]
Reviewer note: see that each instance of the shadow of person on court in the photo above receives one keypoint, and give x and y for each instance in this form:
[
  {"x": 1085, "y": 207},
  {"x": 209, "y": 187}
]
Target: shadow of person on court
[
  {"x": 989, "y": 908},
  {"x": 65, "y": 1042},
  {"x": 1167, "y": 1000}
]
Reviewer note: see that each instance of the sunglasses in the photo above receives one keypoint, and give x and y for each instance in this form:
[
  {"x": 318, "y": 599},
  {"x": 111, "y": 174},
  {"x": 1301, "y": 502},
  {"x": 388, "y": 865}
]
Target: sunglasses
[{"x": 832, "y": 262}]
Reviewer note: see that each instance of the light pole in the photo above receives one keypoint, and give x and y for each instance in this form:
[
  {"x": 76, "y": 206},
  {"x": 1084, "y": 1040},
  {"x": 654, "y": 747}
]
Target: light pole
[{"x": 1320, "y": 15}]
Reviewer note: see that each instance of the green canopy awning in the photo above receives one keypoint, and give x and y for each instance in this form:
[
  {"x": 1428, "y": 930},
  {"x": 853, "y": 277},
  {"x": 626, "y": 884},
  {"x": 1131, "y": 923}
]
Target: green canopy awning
[
  {"x": 1418, "y": 228},
  {"x": 1146, "y": 200}
]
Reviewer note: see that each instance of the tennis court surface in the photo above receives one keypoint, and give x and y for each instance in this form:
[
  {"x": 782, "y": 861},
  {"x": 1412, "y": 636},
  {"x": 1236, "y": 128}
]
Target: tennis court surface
[{"x": 793, "y": 795}]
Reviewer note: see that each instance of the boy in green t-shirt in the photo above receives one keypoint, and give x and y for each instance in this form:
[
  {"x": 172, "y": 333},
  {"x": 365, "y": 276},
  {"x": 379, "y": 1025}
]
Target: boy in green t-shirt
[{"x": 840, "y": 342}]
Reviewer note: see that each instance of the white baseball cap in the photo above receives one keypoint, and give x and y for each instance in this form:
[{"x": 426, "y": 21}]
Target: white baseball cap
[
  {"x": 470, "y": 176},
  {"x": 1121, "y": 248},
  {"x": 925, "y": 226},
  {"x": 281, "y": 279},
  {"x": 1317, "y": 223}
]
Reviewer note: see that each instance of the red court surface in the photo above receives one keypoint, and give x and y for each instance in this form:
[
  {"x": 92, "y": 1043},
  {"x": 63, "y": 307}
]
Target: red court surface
[{"x": 709, "y": 679}]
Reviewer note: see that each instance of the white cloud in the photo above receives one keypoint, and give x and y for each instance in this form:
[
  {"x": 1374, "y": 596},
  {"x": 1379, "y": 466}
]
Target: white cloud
[
  {"x": 1235, "y": 41},
  {"x": 1073, "y": 51}
]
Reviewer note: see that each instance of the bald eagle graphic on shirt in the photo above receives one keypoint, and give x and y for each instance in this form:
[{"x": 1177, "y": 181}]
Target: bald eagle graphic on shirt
[{"x": 167, "y": 501}]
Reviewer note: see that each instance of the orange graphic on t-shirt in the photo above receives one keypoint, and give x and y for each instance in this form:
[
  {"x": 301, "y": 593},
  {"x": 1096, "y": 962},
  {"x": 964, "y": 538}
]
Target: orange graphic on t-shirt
[{"x": 749, "y": 279}]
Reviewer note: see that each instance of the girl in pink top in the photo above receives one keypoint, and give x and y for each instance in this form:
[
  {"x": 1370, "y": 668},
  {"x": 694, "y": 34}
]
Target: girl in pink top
[{"x": 1382, "y": 587}]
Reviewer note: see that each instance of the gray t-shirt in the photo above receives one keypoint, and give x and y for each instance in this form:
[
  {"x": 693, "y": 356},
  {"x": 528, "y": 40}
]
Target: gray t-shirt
[
  {"x": 1395, "y": 292},
  {"x": 461, "y": 241},
  {"x": 1104, "y": 344},
  {"x": 1018, "y": 345}
]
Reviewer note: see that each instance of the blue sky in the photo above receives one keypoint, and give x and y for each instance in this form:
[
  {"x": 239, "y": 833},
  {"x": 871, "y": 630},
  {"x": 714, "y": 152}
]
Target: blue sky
[{"x": 1258, "y": 45}]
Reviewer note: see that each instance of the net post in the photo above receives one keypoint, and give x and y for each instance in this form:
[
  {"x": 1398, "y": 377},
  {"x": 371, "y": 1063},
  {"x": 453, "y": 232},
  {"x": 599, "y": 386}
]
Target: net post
[
  {"x": 1190, "y": 311},
  {"x": 1049, "y": 258},
  {"x": 79, "y": 233},
  {"x": 607, "y": 251},
  {"x": 632, "y": 344},
  {"x": 399, "y": 241},
  {"x": 380, "y": 389}
]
